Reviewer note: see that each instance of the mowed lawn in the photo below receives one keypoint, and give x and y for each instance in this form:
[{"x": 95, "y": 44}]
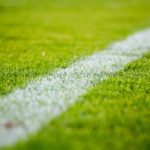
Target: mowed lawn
[{"x": 36, "y": 37}]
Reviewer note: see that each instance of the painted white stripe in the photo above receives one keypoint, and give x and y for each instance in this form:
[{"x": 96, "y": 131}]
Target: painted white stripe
[{"x": 23, "y": 111}]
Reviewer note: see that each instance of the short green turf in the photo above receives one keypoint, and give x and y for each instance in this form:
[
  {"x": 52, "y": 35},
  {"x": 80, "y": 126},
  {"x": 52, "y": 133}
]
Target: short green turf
[
  {"x": 36, "y": 37},
  {"x": 113, "y": 115}
]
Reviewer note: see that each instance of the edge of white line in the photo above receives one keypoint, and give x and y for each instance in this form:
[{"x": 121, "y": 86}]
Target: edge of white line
[{"x": 23, "y": 111}]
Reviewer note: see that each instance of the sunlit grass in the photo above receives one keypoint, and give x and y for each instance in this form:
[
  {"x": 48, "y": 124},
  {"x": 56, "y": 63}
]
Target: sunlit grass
[
  {"x": 35, "y": 41},
  {"x": 36, "y": 37}
]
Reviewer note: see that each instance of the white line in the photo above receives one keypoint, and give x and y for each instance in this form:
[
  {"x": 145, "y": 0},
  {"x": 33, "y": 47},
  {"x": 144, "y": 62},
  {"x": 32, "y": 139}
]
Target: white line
[{"x": 23, "y": 111}]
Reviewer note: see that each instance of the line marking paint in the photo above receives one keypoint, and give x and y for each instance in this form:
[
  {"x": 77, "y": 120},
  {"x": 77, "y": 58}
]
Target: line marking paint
[{"x": 23, "y": 111}]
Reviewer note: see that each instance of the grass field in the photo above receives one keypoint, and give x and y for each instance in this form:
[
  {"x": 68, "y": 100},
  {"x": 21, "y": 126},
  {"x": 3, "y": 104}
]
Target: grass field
[{"x": 38, "y": 37}]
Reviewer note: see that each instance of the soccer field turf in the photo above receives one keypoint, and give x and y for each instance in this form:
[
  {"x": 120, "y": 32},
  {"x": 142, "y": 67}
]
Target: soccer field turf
[{"x": 37, "y": 37}]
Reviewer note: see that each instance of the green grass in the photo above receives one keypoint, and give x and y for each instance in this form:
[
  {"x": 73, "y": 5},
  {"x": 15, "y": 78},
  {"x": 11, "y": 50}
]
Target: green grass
[
  {"x": 113, "y": 115},
  {"x": 63, "y": 31},
  {"x": 36, "y": 38}
]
